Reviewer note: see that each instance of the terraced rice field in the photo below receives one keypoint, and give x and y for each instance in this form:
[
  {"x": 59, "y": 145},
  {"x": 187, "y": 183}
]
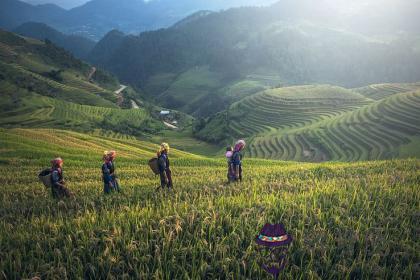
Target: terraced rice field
[
  {"x": 290, "y": 108},
  {"x": 375, "y": 131},
  {"x": 40, "y": 111},
  {"x": 381, "y": 91},
  {"x": 348, "y": 220}
]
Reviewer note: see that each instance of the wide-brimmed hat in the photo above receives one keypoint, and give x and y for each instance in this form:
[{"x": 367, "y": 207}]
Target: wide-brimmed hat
[{"x": 273, "y": 235}]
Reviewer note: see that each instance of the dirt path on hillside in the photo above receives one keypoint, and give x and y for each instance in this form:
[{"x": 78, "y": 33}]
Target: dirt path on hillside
[
  {"x": 134, "y": 105},
  {"x": 170, "y": 125},
  {"x": 119, "y": 95},
  {"x": 92, "y": 72}
]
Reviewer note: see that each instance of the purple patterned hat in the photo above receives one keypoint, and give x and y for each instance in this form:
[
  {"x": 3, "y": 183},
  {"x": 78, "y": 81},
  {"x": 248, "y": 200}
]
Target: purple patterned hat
[{"x": 273, "y": 235}]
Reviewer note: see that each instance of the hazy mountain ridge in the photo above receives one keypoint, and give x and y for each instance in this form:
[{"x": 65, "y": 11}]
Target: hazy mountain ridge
[
  {"x": 95, "y": 18},
  {"x": 77, "y": 45},
  {"x": 228, "y": 47}
]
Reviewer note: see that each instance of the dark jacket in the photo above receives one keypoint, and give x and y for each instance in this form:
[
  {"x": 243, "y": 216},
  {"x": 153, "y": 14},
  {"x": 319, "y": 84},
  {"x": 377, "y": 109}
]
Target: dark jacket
[
  {"x": 236, "y": 159},
  {"x": 163, "y": 162},
  {"x": 107, "y": 171},
  {"x": 56, "y": 176}
]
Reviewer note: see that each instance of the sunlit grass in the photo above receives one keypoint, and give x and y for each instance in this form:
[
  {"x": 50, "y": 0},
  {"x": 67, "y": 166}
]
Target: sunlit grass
[{"x": 355, "y": 220}]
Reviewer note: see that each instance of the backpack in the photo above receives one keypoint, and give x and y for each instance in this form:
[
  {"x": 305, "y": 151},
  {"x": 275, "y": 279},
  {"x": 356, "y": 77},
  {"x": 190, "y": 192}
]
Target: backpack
[
  {"x": 154, "y": 165},
  {"x": 45, "y": 177}
]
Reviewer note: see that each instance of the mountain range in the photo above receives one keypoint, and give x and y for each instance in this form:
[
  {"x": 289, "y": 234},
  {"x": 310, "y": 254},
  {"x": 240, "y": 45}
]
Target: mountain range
[
  {"x": 79, "y": 46},
  {"x": 209, "y": 60},
  {"x": 95, "y": 18}
]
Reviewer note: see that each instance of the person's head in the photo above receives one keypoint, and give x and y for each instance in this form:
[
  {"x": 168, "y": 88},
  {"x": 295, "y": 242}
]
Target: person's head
[
  {"x": 57, "y": 163},
  {"x": 240, "y": 145},
  {"x": 229, "y": 149},
  {"x": 164, "y": 148},
  {"x": 112, "y": 155}
]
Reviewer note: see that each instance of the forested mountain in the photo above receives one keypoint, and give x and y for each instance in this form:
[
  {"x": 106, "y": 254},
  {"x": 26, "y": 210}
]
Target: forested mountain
[
  {"x": 203, "y": 64},
  {"x": 14, "y": 13},
  {"x": 95, "y": 18},
  {"x": 106, "y": 47},
  {"x": 66, "y": 4},
  {"x": 77, "y": 45}
]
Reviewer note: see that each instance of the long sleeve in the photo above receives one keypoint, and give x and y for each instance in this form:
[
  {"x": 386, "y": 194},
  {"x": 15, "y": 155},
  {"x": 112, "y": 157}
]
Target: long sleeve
[
  {"x": 55, "y": 177},
  {"x": 106, "y": 173},
  {"x": 162, "y": 162}
]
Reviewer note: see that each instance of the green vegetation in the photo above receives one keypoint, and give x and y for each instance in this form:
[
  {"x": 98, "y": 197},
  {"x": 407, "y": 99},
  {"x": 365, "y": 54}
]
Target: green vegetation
[
  {"x": 197, "y": 64},
  {"x": 43, "y": 68},
  {"x": 376, "y": 131},
  {"x": 44, "y": 86},
  {"x": 79, "y": 46},
  {"x": 24, "y": 109},
  {"x": 381, "y": 91},
  {"x": 322, "y": 123},
  {"x": 348, "y": 220}
]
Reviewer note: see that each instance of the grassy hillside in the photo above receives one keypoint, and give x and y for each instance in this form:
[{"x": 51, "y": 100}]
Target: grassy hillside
[
  {"x": 348, "y": 220},
  {"x": 26, "y": 109},
  {"x": 202, "y": 92},
  {"x": 320, "y": 123},
  {"x": 44, "y": 86},
  {"x": 194, "y": 64},
  {"x": 281, "y": 109},
  {"x": 386, "y": 129},
  {"x": 79, "y": 46},
  {"x": 43, "y": 68},
  {"x": 381, "y": 91}
]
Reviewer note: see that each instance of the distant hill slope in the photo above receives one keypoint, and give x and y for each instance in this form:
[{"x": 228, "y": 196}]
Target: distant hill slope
[
  {"x": 44, "y": 86},
  {"x": 23, "y": 109},
  {"x": 106, "y": 47},
  {"x": 14, "y": 13},
  {"x": 192, "y": 66},
  {"x": 281, "y": 109},
  {"x": 95, "y": 18},
  {"x": 43, "y": 68},
  {"x": 79, "y": 46},
  {"x": 322, "y": 123},
  {"x": 43, "y": 144},
  {"x": 385, "y": 129}
]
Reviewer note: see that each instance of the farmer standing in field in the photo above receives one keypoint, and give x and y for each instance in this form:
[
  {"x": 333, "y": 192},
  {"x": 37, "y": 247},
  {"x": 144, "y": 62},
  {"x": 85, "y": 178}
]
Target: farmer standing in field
[
  {"x": 236, "y": 162},
  {"x": 164, "y": 166},
  {"x": 108, "y": 172},
  {"x": 58, "y": 188}
]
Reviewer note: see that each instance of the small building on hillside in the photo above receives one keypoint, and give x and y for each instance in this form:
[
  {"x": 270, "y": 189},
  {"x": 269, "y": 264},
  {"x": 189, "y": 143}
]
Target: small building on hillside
[{"x": 165, "y": 113}]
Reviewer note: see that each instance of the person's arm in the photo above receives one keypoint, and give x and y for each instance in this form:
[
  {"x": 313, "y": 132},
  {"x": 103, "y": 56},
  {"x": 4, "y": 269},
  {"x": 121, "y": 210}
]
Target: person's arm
[
  {"x": 55, "y": 179},
  {"x": 162, "y": 163},
  {"x": 236, "y": 162},
  {"x": 112, "y": 169},
  {"x": 106, "y": 172}
]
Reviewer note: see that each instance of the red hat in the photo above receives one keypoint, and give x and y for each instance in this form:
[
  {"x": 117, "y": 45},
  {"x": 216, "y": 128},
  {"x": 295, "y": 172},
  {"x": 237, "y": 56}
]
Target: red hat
[{"x": 57, "y": 161}]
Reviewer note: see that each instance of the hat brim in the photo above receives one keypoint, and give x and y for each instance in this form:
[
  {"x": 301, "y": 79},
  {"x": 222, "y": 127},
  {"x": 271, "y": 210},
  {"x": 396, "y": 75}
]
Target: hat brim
[{"x": 274, "y": 244}]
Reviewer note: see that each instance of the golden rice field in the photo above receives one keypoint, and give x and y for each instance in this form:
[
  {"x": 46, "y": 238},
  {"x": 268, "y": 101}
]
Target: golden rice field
[{"x": 348, "y": 220}]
